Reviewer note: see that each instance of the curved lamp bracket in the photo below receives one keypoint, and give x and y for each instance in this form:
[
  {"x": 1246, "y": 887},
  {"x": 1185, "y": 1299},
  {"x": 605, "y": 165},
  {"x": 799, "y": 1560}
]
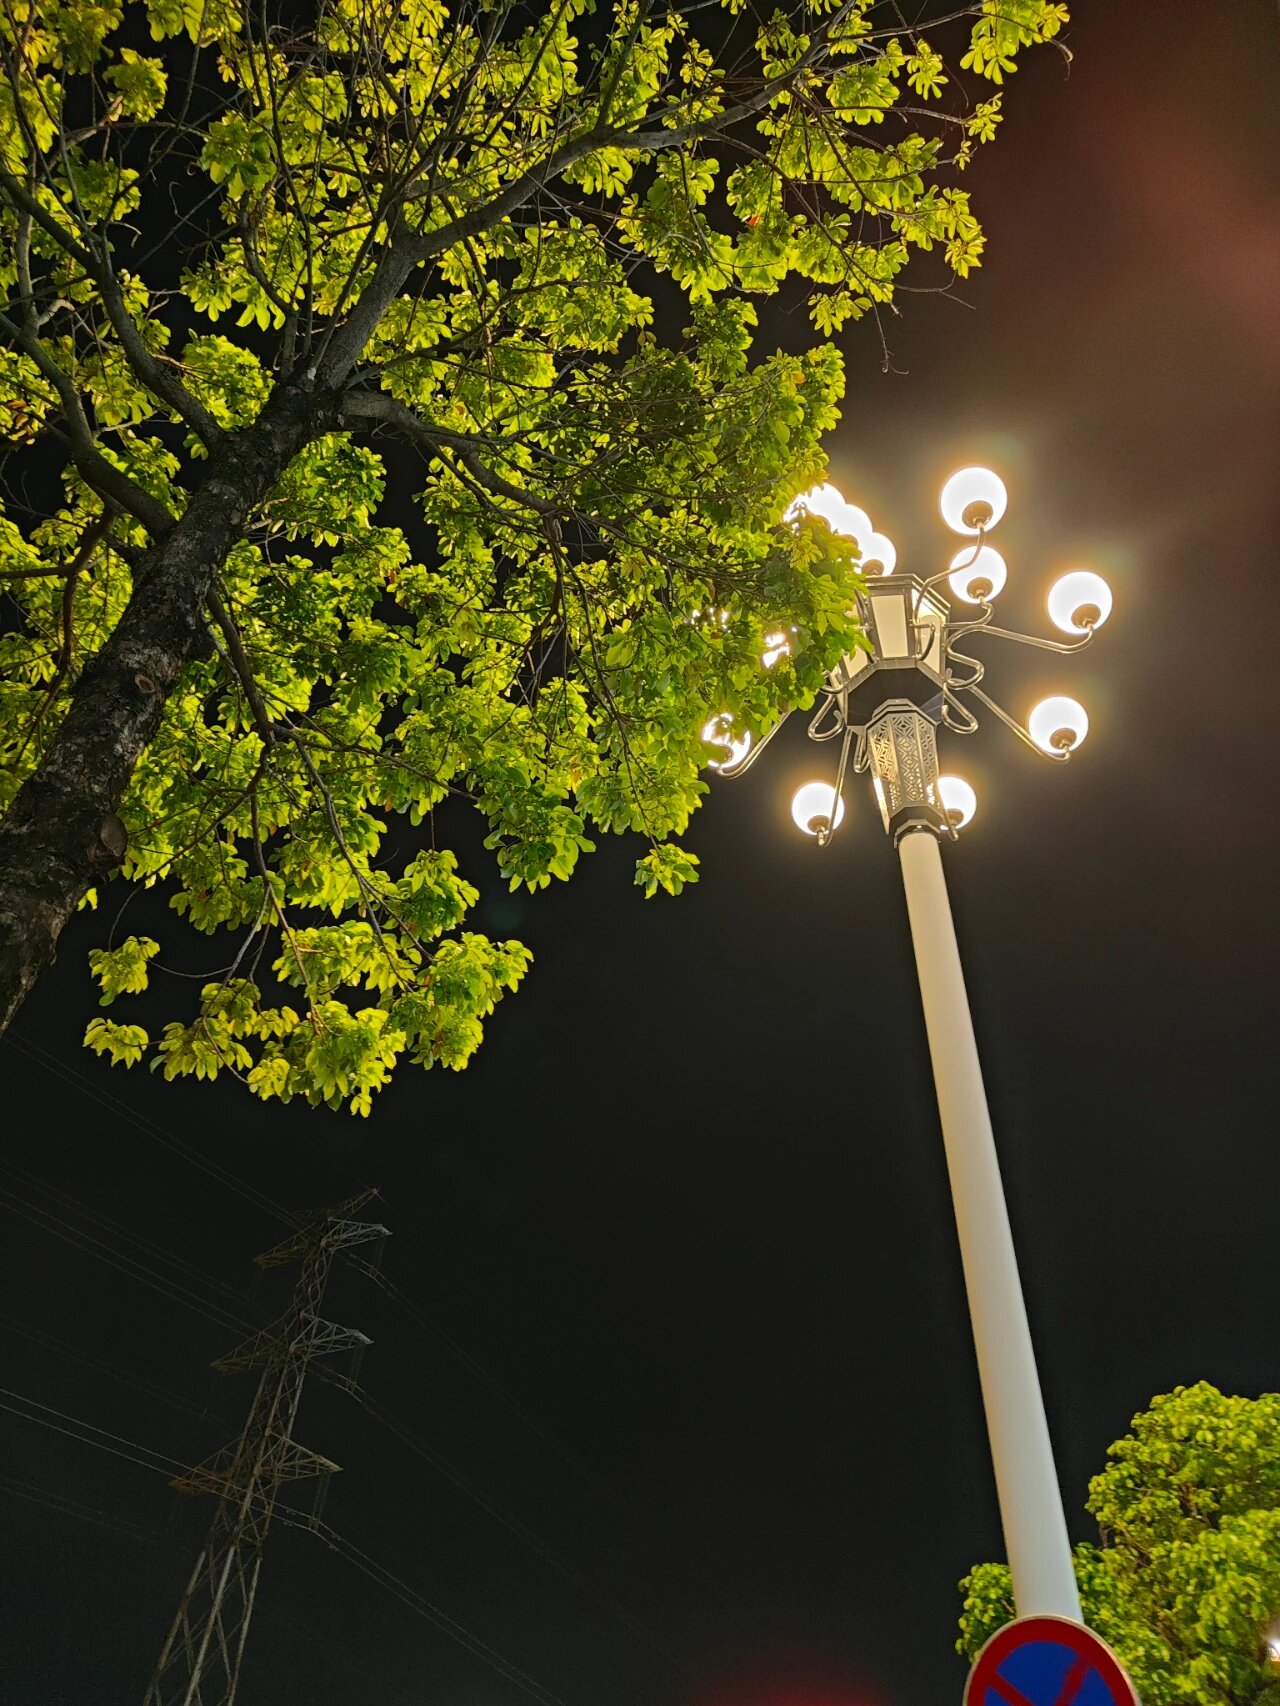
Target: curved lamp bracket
[
  {"x": 1011, "y": 723},
  {"x": 1024, "y": 639},
  {"x": 740, "y": 766}
]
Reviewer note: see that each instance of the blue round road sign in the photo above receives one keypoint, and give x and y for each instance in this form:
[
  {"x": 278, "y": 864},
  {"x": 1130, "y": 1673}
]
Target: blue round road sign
[{"x": 1048, "y": 1661}]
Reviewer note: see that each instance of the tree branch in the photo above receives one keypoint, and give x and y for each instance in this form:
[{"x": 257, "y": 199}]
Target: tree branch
[
  {"x": 89, "y": 542},
  {"x": 18, "y": 194},
  {"x": 150, "y": 372},
  {"x": 242, "y": 668},
  {"x": 109, "y": 482},
  {"x": 377, "y": 408},
  {"x": 409, "y": 250},
  {"x": 158, "y": 379}
]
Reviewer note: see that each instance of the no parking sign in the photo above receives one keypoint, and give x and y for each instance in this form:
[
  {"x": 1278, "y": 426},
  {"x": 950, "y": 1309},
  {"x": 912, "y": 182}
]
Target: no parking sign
[{"x": 1048, "y": 1661}]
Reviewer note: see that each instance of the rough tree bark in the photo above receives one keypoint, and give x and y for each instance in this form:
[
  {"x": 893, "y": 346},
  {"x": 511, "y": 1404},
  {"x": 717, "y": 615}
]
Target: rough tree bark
[{"x": 62, "y": 833}]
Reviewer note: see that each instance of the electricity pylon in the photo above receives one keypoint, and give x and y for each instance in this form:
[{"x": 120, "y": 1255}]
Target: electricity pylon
[{"x": 199, "y": 1664}]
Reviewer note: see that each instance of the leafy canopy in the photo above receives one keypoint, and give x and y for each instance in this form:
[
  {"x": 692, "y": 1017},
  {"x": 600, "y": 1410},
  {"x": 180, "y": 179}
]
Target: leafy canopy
[
  {"x": 1185, "y": 1580},
  {"x": 535, "y": 541}
]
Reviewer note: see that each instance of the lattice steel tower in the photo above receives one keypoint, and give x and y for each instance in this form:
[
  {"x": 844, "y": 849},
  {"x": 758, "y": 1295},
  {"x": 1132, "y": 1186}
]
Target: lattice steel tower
[{"x": 200, "y": 1662}]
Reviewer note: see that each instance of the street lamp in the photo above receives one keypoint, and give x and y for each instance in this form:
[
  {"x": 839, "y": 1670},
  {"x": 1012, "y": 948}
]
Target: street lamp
[{"x": 885, "y": 706}]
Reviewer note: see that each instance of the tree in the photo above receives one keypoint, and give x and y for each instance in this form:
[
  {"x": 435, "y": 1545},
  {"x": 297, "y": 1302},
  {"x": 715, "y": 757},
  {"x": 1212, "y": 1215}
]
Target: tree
[
  {"x": 1185, "y": 1579},
  {"x": 504, "y": 259}
]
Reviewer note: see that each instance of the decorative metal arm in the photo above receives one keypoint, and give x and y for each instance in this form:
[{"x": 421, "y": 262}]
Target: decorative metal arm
[
  {"x": 977, "y": 624},
  {"x": 952, "y": 708},
  {"x": 1024, "y": 639},
  {"x": 740, "y": 766},
  {"x": 1011, "y": 723},
  {"x": 955, "y": 569},
  {"x": 824, "y": 835},
  {"x": 975, "y": 664},
  {"x": 817, "y": 731}
]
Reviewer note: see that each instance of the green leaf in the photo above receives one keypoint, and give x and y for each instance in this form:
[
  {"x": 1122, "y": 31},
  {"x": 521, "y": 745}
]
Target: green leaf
[
  {"x": 122, "y": 970},
  {"x": 668, "y": 867},
  {"x": 122, "y": 1044}
]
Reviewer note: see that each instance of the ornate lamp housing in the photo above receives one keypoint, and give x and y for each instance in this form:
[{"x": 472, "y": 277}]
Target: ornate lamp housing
[
  {"x": 892, "y": 697},
  {"x": 902, "y": 753},
  {"x": 905, "y": 624}
]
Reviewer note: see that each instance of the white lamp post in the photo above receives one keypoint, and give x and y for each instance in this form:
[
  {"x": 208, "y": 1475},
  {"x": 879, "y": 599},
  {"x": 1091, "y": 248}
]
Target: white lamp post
[{"x": 886, "y": 705}]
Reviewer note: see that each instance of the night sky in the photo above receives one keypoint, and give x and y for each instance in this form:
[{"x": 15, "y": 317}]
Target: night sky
[{"x": 687, "y": 1302}]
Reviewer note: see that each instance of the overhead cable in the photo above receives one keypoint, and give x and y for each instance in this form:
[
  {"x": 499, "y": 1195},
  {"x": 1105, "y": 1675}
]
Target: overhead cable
[
  {"x": 76, "y": 1353},
  {"x": 418, "y": 1602},
  {"x": 157, "y": 1461}
]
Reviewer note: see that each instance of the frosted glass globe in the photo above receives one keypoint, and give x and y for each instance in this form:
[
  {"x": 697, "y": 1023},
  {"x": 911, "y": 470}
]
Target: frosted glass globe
[
  {"x": 973, "y": 499},
  {"x": 959, "y": 802},
  {"x": 775, "y": 646},
  {"x": 811, "y": 807},
  {"x": 841, "y": 517},
  {"x": 720, "y": 730},
  {"x": 879, "y": 554},
  {"x": 977, "y": 576},
  {"x": 1058, "y": 725},
  {"x": 1079, "y": 602}
]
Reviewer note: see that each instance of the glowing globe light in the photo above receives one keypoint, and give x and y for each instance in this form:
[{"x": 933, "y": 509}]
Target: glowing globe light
[
  {"x": 973, "y": 500},
  {"x": 776, "y": 646},
  {"x": 1079, "y": 602},
  {"x": 720, "y": 731},
  {"x": 811, "y": 808},
  {"x": 841, "y": 517},
  {"x": 1058, "y": 725},
  {"x": 977, "y": 576},
  {"x": 879, "y": 554},
  {"x": 959, "y": 802},
  {"x": 927, "y": 610}
]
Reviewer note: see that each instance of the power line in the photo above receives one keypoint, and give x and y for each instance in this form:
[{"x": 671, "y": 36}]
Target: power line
[
  {"x": 132, "y": 1453},
  {"x": 260, "y": 1200},
  {"x": 408, "y": 1436},
  {"x": 425, "y": 1608},
  {"x": 59, "y": 1227},
  {"x": 73, "y": 1507},
  {"x": 477, "y": 1370},
  {"x": 452, "y": 1348},
  {"x": 492, "y": 1384},
  {"x": 358, "y": 1663},
  {"x": 140, "y": 1122},
  {"x": 548, "y": 1553},
  {"x": 148, "y": 1246},
  {"x": 61, "y": 1347},
  {"x": 83, "y": 1432},
  {"x": 415, "y": 1442},
  {"x": 180, "y": 1292}
]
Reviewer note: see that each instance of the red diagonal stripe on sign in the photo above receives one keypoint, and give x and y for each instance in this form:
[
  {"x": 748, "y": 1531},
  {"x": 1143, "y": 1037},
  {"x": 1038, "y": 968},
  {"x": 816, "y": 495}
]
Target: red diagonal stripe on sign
[
  {"x": 1074, "y": 1681},
  {"x": 1008, "y": 1693}
]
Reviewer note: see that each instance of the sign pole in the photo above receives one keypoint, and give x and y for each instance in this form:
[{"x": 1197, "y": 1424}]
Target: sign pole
[{"x": 1031, "y": 1514}]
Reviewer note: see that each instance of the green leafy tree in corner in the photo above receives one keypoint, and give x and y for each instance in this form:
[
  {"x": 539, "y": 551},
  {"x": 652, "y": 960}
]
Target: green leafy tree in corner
[
  {"x": 1185, "y": 1580},
  {"x": 350, "y": 468}
]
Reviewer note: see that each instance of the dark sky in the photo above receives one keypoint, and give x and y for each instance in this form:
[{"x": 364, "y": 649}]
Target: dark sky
[{"x": 686, "y": 1216}]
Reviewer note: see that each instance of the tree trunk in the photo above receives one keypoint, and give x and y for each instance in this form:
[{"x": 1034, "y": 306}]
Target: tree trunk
[{"x": 62, "y": 833}]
